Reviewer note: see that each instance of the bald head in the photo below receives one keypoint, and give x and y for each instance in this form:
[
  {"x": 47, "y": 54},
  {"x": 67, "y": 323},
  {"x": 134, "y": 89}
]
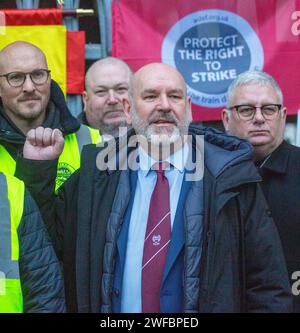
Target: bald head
[
  {"x": 159, "y": 71},
  {"x": 25, "y": 104},
  {"x": 18, "y": 54},
  {"x": 159, "y": 67},
  {"x": 104, "y": 67}
]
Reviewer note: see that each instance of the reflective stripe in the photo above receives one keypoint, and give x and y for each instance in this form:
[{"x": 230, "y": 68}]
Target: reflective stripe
[
  {"x": 16, "y": 189},
  {"x": 11, "y": 211},
  {"x": 83, "y": 137},
  {"x": 9, "y": 267},
  {"x": 86, "y": 135}
]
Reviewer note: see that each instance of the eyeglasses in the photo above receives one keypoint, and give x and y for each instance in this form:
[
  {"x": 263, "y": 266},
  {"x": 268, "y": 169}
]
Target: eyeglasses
[
  {"x": 247, "y": 112},
  {"x": 17, "y": 79}
]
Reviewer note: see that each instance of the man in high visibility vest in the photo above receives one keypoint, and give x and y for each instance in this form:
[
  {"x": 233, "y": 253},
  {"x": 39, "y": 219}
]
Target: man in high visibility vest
[
  {"x": 29, "y": 98},
  {"x": 30, "y": 276}
]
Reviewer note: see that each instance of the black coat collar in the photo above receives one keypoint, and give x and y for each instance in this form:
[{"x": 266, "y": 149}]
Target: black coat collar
[{"x": 278, "y": 161}]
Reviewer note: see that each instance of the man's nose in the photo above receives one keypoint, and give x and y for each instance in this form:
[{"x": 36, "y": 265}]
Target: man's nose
[
  {"x": 28, "y": 85},
  {"x": 164, "y": 103},
  {"x": 112, "y": 99},
  {"x": 258, "y": 116}
]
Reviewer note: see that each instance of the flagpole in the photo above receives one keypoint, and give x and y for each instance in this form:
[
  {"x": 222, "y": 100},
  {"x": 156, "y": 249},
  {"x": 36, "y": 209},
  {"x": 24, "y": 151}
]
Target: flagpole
[{"x": 79, "y": 12}]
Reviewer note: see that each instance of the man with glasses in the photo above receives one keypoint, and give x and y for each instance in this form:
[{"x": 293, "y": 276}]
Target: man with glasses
[
  {"x": 255, "y": 112},
  {"x": 29, "y": 98}
]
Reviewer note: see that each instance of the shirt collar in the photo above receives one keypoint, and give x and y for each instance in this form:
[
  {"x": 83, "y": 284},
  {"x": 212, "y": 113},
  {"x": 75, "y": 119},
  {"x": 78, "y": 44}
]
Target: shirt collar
[{"x": 177, "y": 160}]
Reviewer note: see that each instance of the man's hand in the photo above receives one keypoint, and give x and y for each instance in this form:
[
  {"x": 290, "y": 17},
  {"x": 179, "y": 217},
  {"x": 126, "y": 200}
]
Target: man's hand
[{"x": 43, "y": 144}]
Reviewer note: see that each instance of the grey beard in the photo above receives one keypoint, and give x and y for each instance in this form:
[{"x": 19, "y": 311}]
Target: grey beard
[
  {"x": 112, "y": 129},
  {"x": 159, "y": 136}
]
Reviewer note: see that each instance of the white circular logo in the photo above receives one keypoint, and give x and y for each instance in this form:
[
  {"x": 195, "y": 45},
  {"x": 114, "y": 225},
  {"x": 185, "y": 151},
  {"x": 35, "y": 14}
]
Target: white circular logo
[{"x": 211, "y": 48}]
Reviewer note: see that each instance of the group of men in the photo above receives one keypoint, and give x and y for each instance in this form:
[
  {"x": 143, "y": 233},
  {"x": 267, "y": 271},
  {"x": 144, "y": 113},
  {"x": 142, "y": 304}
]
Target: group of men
[{"x": 167, "y": 216}]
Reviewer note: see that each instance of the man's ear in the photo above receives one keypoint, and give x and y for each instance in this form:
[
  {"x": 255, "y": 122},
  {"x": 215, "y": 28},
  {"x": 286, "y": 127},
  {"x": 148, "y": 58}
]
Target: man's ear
[
  {"x": 189, "y": 108},
  {"x": 127, "y": 110},
  {"x": 284, "y": 112},
  {"x": 225, "y": 119},
  {"x": 84, "y": 100}
]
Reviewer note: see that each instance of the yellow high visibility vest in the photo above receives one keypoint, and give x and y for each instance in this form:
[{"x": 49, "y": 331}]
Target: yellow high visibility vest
[
  {"x": 69, "y": 160},
  {"x": 11, "y": 211}
]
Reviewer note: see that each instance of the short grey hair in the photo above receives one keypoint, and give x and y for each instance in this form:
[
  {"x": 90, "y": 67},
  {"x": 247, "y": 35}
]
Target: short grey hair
[{"x": 254, "y": 77}]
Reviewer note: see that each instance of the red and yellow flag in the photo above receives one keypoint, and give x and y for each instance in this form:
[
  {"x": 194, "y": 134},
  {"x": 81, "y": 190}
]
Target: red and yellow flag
[{"x": 44, "y": 28}]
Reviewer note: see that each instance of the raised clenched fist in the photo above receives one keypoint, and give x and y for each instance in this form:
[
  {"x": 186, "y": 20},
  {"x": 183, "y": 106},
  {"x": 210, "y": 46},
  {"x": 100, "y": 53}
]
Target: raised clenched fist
[{"x": 43, "y": 144}]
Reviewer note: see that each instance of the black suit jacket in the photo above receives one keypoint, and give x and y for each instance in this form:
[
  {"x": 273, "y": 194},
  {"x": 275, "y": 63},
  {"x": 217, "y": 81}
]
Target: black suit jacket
[{"x": 281, "y": 186}]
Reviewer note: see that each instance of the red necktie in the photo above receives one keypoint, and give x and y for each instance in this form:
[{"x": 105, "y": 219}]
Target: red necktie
[{"x": 156, "y": 244}]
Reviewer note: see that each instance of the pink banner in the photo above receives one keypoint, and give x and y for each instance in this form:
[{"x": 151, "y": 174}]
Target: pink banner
[{"x": 211, "y": 42}]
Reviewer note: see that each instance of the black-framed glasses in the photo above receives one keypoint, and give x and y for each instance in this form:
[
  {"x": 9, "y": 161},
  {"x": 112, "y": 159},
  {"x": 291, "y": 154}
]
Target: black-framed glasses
[
  {"x": 17, "y": 79},
  {"x": 247, "y": 112}
]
